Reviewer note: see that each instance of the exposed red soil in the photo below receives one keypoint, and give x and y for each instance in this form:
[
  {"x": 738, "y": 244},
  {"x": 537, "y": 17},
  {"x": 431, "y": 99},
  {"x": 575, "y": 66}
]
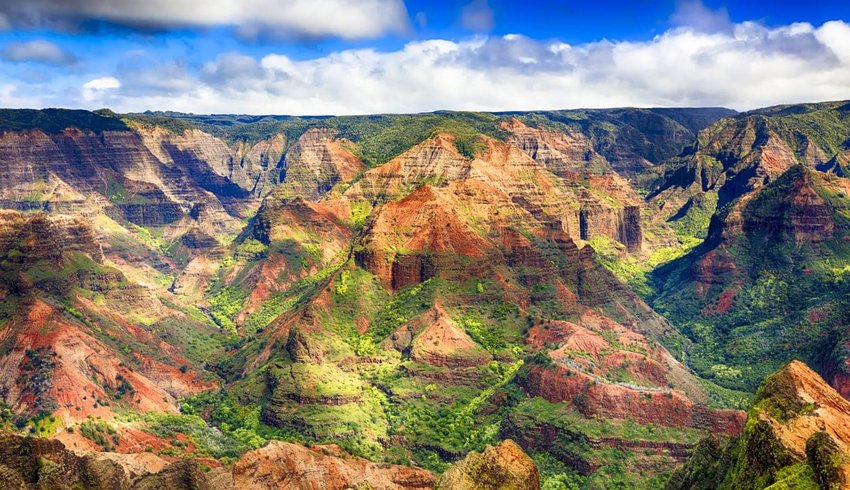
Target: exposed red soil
[
  {"x": 320, "y": 467},
  {"x": 87, "y": 374},
  {"x": 661, "y": 407},
  {"x": 442, "y": 343},
  {"x": 724, "y": 303}
]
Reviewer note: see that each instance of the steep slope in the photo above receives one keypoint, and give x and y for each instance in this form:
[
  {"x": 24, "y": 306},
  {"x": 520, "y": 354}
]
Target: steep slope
[
  {"x": 770, "y": 279},
  {"x": 80, "y": 340},
  {"x": 768, "y": 192},
  {"x": 38, "y": 463},
  {"x": 740, "y": 154},
  {"x": 504, "y": 466},
  {"x": 411, "y": 288},
  {"x": 633, "y": 141},
  {"x": 796, "y": 437},
  {"x": 318, "y": 161},
  {"x": 425, "y": 341}
]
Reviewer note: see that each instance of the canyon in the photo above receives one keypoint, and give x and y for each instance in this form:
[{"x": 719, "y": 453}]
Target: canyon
[{"x": 446, "y": 300}]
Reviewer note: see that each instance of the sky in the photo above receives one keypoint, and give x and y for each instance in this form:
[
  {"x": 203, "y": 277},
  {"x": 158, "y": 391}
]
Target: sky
[{"x": 317, "y": 57}]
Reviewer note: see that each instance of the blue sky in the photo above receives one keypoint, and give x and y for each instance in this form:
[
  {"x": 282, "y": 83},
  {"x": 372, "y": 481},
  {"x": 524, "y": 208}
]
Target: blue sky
[{"x": 368, "y": 56}]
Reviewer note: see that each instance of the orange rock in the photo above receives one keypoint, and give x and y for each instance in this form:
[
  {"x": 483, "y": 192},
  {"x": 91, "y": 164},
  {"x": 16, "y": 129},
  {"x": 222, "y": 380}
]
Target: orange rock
[
  {"x": 281, "y": 465},
  {"x": 501, "y": 467},
  {"x": 442, "y": 343}
]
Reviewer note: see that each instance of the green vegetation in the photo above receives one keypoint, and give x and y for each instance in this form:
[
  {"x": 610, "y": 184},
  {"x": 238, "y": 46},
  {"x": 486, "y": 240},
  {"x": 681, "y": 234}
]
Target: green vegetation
[
  {"x": 825, "y": 458},
  {"x": 250, "y": 249},
  {"x": 778, "y": 397},
  {"x": 635, "y": 270},
  {"x": 762, "y": 305},
  {"x": 36, "y": 378},
  {"x": 404, "y": 306},
  {"x": 242, "y": 423},
  {"x": 225, "y": 304},
  {"x": 150, "y": 120},
  {"x": 207, "y": 440},
  {"x": 57, "y": 120},
  {"x": 378, "y": 138},
  {"x": 363, "y": 389},
  {"x": 444, "y": 427},
  {"x": 74, "y": 268},
  {"x": 694, "y": 219},
  {"x": 488, "y": 337},
  {"x": 100, "y": 432},
  {"x": 534, "y": 411}
]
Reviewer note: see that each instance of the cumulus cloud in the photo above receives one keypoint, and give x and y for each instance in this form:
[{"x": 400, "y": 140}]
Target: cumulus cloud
[
  {"x": 477, "y": 16},
  {"x": 745, "y": 67},
  {"x": 37, "y": 51},
  {"x": 95, "y": 89},
  {"x": 348, "y": 19},
  {"x": 695, "y": 15}
]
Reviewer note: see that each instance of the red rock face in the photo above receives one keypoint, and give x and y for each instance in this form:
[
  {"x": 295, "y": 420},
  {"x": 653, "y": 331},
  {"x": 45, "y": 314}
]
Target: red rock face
[
  {"x": 837, "y": 373},
  {"x": 566, "y": 154},
  {"x": 571, "y": 156},
  {"x": 801, "y": 214},
  {"x": 811, "y": 216},
  {"x": 410, "y": 240},
  {"x": 149, "y": 177},
  {"x": 316, "y": 162},
  {"x": 644, "y": 406},
  {"x": 622, "y": 225},
  {"x": 607, "y": 370},
  {"x": 435, "y": 159},
  {"x": 77, "y": 370},
  {"x": 438, "y": 341},
  {"x": 326, "y": 467},
  {"x": 841, "y": 383}
]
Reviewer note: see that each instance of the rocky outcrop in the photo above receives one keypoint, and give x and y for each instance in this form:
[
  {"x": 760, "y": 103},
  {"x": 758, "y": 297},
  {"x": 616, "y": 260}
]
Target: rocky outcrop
[
  {"x": 501, "y": 467},
  {"x": 622, "y": 225},
  {"x": 415, "y": 238},
  {"x": 138, "y": 176},
  {"x": 184, "y": 474},
  {"x": 302, "y": 348},
  {"x": 52, "y": 253},
  {"x": 41, "y": 236},
  {"x": 440, "y": 342},
  {"x": 285, "y": 465},
  {"x": 56, "y": 365},
  {"x": 736, "y": 156},
  {"x": 566, "y": 153},
  {"x": 642, "y": 405},
  {"x": 791, "y": 209},
  {"x": 29, "y": 462},
  {"x": 436, "y": 159},
  {"x": 609, "y": 207},
  {"x": 318, "y": 161},
  {"x": 797, "y": 422},
  {"x": 261, "y": 162}
]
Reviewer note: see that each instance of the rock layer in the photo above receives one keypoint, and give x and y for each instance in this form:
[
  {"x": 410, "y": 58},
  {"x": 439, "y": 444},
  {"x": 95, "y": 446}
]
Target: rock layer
[{"x": 501, "y": 467}]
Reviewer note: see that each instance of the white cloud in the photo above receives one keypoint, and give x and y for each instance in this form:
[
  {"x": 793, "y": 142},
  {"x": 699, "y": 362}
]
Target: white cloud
[
  {"x": 349, "y": 19},
  {"x": 477, "y": 16},
  {"x": 11, "y": 96},
  {"x": 745, "y": 67},
  {"x": 94, "y": 90},
  {"x": 695, "y": 15},
  {"x": 37, "y": 51}
]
